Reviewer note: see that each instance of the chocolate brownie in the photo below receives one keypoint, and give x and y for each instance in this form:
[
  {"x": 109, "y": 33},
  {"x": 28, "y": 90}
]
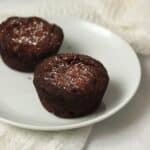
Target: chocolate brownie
[
  {"x": 25, "y": 41},
  {"x": 70, "y": 85}
]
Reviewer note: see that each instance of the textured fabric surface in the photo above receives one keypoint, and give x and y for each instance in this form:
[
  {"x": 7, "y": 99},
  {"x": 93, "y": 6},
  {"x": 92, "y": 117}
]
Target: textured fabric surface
[
  {"x": 128, "y": 18},
  {"x": 13, "y": 138}
]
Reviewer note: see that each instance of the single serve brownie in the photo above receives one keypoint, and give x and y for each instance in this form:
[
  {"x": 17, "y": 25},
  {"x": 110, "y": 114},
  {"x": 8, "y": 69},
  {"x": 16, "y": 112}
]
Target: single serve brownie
[
  {"x": 25, "y": 41},
  {"x": 70, "y": 85}
]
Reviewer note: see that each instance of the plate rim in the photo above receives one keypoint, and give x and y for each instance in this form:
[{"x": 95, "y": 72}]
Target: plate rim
[{"x": 93, "y": 120}]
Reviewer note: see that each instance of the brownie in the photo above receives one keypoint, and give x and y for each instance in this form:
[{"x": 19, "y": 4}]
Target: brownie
[
  {"x": 25, "y": 41},
  {"x": 70, "y": 85}
]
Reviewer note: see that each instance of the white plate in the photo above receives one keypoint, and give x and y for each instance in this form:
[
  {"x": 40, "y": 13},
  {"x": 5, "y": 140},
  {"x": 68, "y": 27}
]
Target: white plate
[{"x": 20, "y": 105}]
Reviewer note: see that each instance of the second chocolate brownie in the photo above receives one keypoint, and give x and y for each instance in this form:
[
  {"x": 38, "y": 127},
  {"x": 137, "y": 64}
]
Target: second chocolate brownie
[{"x": 25, "y": 41}]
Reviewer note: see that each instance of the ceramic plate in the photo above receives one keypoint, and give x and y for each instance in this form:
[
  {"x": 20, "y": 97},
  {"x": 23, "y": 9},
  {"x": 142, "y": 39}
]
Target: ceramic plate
[{"x": 20, "y": 105}]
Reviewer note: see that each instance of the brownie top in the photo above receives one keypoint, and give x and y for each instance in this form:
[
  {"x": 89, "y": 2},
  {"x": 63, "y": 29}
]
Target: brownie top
[
  {"x": 71, "y": 73},
  {"x": 29, "y": 35}
]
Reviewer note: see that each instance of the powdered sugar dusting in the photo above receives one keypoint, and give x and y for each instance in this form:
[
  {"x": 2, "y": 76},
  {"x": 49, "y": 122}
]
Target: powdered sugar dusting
[{"x": 31, "y": 34}]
